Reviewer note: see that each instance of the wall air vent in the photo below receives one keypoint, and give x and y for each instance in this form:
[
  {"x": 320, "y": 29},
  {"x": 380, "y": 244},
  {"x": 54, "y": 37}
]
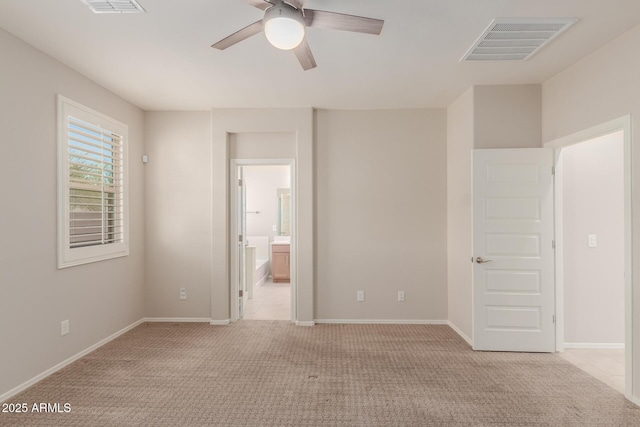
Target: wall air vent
[
  {"x": 516, "y": 39},
  {"x": 114, "y": 6}
]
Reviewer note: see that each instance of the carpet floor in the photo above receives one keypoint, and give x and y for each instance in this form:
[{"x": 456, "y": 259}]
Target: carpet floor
[{"x": 271, "y": 373}]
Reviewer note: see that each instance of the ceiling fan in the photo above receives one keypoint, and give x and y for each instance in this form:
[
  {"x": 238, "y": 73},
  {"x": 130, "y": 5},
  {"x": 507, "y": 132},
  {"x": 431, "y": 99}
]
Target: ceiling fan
[{"x": 284, "y": 25}]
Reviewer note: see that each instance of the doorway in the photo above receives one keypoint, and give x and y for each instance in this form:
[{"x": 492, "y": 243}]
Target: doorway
[
  {"x": 593, "y": 253},
  {"x": 593, "y": 246},
  {"x": 262, "y": 240}
]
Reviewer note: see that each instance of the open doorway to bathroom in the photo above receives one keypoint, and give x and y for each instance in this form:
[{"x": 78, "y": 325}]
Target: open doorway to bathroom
[{"x": 264, "y": 224}]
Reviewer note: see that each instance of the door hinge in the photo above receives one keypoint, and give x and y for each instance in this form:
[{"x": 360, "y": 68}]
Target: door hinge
[
  {"x": 553, "y": 170},
  {"x": 554, "y": 318},
  {"x": 240, "y": 294},
  {"x": 553, "y": 244},
  {"x": 240, "y": 238},
  {"x": 239, "y": 183}
]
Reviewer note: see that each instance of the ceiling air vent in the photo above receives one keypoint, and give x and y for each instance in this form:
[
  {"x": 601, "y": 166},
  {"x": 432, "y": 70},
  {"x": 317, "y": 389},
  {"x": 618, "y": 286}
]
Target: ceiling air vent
[
  {"x": 516, "y": 39},
  {"x": 114, "y": 6}
]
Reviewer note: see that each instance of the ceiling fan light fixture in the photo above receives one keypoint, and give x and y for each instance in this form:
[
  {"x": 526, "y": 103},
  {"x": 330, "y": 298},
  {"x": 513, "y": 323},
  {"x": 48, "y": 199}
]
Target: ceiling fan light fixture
[{"x": 284, "y": 26}]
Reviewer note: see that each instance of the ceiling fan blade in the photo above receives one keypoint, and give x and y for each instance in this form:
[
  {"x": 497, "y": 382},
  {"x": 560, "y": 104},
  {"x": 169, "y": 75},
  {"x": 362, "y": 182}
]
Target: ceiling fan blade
[
  {"x": 260, "y": 4},
  {"x": 304, "y": 55},
  {"x": 340, "y": 21},
  {"x": 240, "y": 35}
]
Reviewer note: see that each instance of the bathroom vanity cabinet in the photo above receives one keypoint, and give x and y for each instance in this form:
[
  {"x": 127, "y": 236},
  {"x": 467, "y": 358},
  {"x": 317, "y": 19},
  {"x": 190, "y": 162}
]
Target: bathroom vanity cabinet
[{"x": 280, "y": 262}]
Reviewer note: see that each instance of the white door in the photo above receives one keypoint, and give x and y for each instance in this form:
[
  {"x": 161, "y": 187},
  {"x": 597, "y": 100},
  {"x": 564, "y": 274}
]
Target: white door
[{"x": 513, "y": 250}]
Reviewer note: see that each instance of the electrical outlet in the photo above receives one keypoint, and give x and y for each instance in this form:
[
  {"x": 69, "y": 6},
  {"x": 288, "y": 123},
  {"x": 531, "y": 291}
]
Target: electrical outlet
[
  {"x": 183, "y": 293},
  {"x": 360, "y": 296},
  {"x": 64, "y": 328},
  {"x": 400, "y": 295},
  {"x": 592, "y": 240}
]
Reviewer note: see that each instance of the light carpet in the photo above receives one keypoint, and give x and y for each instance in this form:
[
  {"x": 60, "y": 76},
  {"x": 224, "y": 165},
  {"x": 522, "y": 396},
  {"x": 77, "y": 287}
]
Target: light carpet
[{"x": 271, "y": 373}]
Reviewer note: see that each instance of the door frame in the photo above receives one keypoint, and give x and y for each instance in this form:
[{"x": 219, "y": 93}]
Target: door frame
[
  {"x": 621, "y": 124},
  {"x": 233, "y": 234}
]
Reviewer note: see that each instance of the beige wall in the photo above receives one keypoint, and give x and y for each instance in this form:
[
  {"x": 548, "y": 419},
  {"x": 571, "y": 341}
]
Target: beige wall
[
  {"x": 187, "y": 236},
  {"x": 368, "y": 158},
  {"x": 593, "y": 203},
  {"x": 601, "y": 87},
  {"x": 178, "y": 224},
  {"x": 507, "y": 116},
  {"x": 99, "y": 299},
  {"x": 460, "y": 133},
  {"x": 381, "y": 214},
  {"x": 262, "y": 145}
]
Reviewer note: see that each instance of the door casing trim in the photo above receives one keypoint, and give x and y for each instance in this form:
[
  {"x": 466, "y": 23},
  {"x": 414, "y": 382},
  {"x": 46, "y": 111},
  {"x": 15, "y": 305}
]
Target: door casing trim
[{"x": 620, "y": 124}]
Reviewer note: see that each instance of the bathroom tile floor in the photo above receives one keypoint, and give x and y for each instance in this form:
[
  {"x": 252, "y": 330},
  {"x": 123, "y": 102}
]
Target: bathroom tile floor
[
  {"x": 607, "y": 365},
  {"x": 271, "y": 301}
]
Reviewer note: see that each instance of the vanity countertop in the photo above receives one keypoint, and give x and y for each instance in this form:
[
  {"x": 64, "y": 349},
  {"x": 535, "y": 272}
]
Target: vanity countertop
[{"x": 280, "y": 243}]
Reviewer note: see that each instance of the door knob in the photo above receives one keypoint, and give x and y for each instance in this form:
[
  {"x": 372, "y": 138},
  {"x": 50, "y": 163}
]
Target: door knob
[{"x": 480, "y": 260}]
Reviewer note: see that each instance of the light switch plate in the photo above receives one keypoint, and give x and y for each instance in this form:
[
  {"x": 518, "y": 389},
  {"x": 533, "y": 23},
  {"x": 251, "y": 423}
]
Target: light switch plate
[{"x": 64, "y": 328}]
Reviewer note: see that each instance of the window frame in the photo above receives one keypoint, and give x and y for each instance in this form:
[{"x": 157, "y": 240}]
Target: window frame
[{"x": 68, "y": 256}]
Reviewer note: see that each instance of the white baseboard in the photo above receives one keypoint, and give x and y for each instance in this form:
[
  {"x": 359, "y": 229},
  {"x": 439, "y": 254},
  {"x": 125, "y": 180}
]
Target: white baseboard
[
  {"x": 178, "y": 319},
  {"x": 66, "y": 362},
  {"x": 594, "y": 345},
  {"x": 305, "y": 323},
  {"x": 261, "y": 281},
  {"x": 459, "y": 332},
  {"x": 634, "y": 400},
  {"x": 223, "y": 322},
  {"x": 383, "y": 321}
]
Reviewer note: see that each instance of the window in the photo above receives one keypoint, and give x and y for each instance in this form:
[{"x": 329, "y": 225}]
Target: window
[{"x": 92, "y": 186}]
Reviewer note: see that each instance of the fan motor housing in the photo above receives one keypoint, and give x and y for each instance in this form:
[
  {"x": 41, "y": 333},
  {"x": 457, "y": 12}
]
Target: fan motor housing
[
  {"x": 284, "y": 26},
  {"x": 283, "y": 10}
]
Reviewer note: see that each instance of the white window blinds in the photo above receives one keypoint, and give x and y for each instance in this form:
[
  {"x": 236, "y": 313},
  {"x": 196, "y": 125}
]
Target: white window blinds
[
  {"x": 93, "y": 220},
  {"x": 95, "y": 169}
]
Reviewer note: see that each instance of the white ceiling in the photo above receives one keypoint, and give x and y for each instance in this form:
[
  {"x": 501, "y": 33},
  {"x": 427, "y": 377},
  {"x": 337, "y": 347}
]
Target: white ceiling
[{"x": 162, "y": 60}]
